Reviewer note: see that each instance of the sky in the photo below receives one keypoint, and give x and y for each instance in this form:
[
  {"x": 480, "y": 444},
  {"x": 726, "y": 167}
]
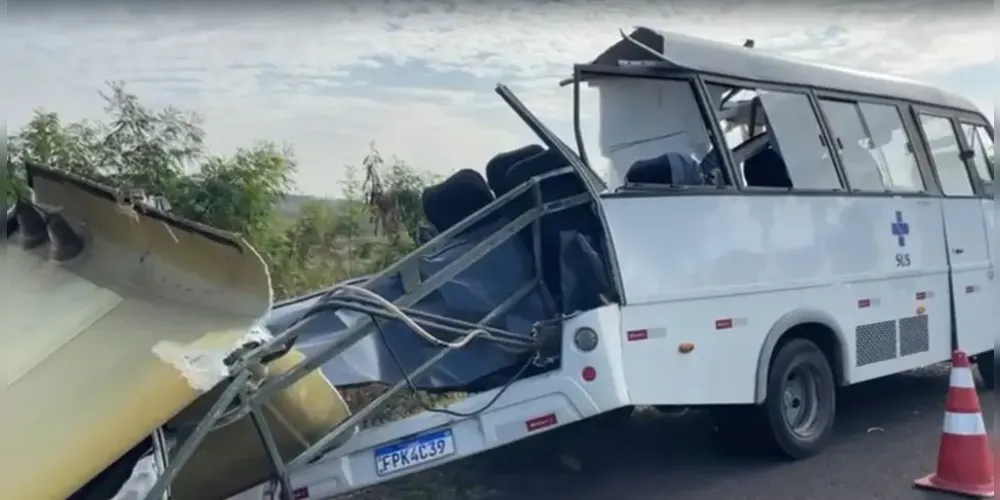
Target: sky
[{"x": 417, "y": 78}]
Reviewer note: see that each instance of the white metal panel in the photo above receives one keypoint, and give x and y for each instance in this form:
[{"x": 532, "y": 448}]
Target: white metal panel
[
  {"x": 643, "y": 118},
  {"x": 970, "y": 264},
  {"x": 554, "y": 399},
  {"x": 688, "y": 261},
  {"x": 990, "y": 226},
  {"x": 719, "y": 58},
  {"x": 989, "y": 221}
]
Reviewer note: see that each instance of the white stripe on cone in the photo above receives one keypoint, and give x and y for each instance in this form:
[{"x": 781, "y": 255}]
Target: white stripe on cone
[
  {"x": 962, "y": 378},
  {"x": 964, "y": 424}
]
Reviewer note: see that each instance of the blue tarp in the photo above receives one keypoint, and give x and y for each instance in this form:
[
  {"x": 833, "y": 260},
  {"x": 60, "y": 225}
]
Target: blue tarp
[{"x": 469, "y": 297}]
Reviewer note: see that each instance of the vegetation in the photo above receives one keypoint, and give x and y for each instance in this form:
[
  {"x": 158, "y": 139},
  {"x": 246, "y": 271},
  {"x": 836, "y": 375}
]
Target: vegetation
[
  {"x": 162, "y": 152},
  {"x": 310, "y": 246}
]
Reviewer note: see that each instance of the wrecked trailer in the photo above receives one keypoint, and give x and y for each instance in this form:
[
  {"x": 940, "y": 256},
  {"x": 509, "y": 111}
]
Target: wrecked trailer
[{"x": 521, "y": 259}]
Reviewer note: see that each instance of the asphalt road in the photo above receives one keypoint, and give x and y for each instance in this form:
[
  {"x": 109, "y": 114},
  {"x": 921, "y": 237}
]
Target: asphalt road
[{"x": 887, "y": 435}]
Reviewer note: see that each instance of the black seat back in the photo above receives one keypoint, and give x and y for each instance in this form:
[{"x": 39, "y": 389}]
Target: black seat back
[
  {"x": 580, "y": 219},
  {"x": 553, "y": 188},
  {"x": 496, "y": 168},
  {"x": 766, "y": 169},
  {"x": 650, "y": 171},
  {"x": 457, "y": 197}
]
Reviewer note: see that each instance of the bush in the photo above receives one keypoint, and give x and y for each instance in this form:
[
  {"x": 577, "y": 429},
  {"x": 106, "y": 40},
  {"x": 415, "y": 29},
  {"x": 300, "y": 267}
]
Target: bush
[{"x": 310, "y": 246}]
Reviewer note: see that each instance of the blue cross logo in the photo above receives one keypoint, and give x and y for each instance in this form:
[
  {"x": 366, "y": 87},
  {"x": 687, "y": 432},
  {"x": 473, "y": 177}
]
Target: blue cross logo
[{"x": 900, "y": 229}]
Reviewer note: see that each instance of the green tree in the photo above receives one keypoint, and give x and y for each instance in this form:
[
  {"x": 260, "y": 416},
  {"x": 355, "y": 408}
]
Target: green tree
[
  {"x": 391, "y": 193},
  {"x": 160, "y": 152},
  {"x": 239, "y": 193},
  {"x": 146, "y": 148},
  {"x": 46, "y": 141}
]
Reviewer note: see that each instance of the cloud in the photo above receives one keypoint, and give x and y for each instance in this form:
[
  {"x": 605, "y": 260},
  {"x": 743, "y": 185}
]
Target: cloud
[{"x": 417, "y": 76}]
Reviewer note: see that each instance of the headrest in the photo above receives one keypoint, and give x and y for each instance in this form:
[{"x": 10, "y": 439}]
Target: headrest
[
  {"x": 496, "y": 168},
  {"x": 655, "y": 170},
  {"x": 457, "y": 197},
  {"x": 766, "y": 169},
  {"x": 536, "y": 164}
]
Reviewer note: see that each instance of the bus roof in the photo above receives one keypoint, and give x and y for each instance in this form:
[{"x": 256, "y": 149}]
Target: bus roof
[{"x": 683, "y": 52}]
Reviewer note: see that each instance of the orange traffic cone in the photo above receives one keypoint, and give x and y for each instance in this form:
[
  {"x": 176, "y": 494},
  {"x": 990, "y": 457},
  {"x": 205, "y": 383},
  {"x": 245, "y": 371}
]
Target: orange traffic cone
[{"x": 965, "y": 461}]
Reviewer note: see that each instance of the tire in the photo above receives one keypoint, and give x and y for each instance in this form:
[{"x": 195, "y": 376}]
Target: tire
[
  {"x": 986, "y": 363},
  {"x": 801, "y": 400}
]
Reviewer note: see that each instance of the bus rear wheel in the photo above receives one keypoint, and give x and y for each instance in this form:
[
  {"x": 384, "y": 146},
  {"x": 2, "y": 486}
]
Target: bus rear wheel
[{"x": 801, "y": 399}]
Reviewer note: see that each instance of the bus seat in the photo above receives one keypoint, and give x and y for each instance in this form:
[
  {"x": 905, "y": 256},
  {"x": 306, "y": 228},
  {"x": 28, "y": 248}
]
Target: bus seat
[
  {"x": 457, "y": 197},
  {"x": 766, "y": 169},
  {"x": 651, "y": 171},
  {"x": 497, "y": 167},
  {"x": 579, "y": 219},
  {"x": 669, "y": 168},
  {"x": 712, "y": 169}
]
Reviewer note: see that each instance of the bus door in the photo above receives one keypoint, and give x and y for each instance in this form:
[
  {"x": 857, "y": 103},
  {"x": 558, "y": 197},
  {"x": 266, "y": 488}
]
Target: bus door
[
  {"x": 980, "y": 153},
  {"x": 968, "y": 252},
  {"x": 979, "y": 147}
]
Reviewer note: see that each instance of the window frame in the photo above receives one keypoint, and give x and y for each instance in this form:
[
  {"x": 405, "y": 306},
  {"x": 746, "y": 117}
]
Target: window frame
[
  {"x": 982, "y": 189},
  {"x": 835, "y": 140},
  {"x": 907, "y": 110},
  {"x": 740, "y": 180},
  {"x": 931, "y": 187},
  {"x": 910, "y": 127},
  {"x": 909, "y": 130},
  {"x": 809, "y": 93},
  {"x": 709, "y": 116},
  {"x": 955, "y": 118}
]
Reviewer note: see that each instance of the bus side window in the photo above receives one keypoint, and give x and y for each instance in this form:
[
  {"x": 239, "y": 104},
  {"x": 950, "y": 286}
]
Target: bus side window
[
  {"x": 855, "y": 145},
  {"x": 892, "y": 147},
  {"x": 782, "y": 143},
  {"x": 800, "y": 140},
  {"x": 981, "y": 144},
  {"x": 946, "y": 155}
]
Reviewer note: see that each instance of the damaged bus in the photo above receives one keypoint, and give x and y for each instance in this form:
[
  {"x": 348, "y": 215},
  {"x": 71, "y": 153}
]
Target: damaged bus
[{"x": 752, "y": 233}]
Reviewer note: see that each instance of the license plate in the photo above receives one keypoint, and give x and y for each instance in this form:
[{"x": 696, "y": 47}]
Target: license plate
[{"x": 415, "y": 451}]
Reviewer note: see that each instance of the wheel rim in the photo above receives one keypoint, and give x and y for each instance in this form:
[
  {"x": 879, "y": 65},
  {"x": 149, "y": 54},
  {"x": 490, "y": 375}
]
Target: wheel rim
[{"x": 800, "y": 400}]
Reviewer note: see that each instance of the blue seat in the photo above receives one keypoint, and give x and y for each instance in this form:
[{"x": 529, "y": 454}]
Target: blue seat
[
  {"x": 669, "y": 168},
  {"x": 651, "y": 171}
]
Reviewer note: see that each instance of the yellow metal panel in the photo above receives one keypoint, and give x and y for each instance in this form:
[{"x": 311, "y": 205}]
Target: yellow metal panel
[{"x": 100, "y": 351}]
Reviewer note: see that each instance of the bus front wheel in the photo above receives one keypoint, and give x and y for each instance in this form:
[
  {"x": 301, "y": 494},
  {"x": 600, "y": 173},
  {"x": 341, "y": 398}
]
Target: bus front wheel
[{"x": 801, "y": 399}]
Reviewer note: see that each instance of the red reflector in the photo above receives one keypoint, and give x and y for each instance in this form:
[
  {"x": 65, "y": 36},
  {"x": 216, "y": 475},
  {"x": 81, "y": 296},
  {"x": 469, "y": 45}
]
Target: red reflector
[
  {"x": 588, "y": 374},
  {"x": 863, "y": 303},
  {"x": 539, "y": 423},
  {"x": 723, "y": 324},
  {"x": 300, "y": 493},
  {"x": 921, "y": 295},
  {"x": 635, "y": 335}
]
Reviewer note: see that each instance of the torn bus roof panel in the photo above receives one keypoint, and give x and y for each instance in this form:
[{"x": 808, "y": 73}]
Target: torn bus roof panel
[{"x": 117, "y": 318}]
